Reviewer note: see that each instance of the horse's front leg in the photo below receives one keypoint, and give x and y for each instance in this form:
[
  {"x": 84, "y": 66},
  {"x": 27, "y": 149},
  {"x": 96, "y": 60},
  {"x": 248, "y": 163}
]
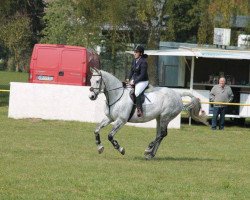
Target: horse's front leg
[
  {"x": 117, "y": 125},
  {"x": 106, "y": 121}
]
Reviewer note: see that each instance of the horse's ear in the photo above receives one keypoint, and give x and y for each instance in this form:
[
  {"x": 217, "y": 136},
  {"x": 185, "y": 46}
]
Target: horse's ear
[{"x": 93, "y": 69}]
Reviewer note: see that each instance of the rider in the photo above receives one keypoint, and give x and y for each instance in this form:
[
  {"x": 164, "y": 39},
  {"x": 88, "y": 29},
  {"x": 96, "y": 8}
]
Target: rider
[{"x": 139, "y": 76}]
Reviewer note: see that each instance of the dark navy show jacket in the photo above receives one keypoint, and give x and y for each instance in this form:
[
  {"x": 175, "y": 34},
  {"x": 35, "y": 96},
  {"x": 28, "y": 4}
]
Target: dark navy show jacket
[{"x": 139, "y": 70}]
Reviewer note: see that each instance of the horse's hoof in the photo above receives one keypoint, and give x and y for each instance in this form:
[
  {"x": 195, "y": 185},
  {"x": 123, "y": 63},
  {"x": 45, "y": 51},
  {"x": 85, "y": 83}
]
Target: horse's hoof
[
  {"x": 122, "y": 150},
  {"x": 148, "y": 150},
  {"x": 149, "y": 156},
  {"x": 100, "y": 149}
]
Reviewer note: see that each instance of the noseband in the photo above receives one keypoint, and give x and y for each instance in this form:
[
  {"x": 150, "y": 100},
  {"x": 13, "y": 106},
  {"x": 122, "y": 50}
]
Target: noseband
[{"x": 92, "y": 89}]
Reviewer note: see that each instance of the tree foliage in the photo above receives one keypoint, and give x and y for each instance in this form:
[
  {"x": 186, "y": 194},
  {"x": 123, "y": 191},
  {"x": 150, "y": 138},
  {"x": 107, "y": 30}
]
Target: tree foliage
[
  {"x": 109, "y": 21},
  {"x": 115, "y": 24},
  {"x": 64, "y": 25},
  {"x": 20, "y": 29},
  {"x": 184, "y": 17},
  {"x": 205, "y": 29},
  {"x": 115, "y": 29},
  {"x": 16, "y": 36},
  {"x": 224, "y": 11},
  {"x": 220, "y": 14}
]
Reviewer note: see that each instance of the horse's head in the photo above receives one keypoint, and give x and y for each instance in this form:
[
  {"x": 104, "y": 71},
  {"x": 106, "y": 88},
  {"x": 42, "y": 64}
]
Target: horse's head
[{"x": 96, "y": 84}]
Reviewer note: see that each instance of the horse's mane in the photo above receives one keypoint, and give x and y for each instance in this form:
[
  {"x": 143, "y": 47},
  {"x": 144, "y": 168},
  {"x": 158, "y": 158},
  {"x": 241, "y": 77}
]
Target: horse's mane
[{"x": 110, "y": 76}]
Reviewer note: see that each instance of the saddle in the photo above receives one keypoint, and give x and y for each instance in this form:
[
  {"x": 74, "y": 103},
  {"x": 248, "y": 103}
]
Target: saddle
[{"x": 148, "y": 89}]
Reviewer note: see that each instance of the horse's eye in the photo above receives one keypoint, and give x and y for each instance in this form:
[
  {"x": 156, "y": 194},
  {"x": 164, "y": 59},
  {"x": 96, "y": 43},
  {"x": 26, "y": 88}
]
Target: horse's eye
[{"x": 97, "y": 81}]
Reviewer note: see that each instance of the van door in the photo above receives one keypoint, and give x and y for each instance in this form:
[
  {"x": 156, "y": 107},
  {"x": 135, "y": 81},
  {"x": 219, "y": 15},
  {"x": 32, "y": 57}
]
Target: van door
[
  {"x": 71, "y": 66},
  {"x": 45, "y": 65}
]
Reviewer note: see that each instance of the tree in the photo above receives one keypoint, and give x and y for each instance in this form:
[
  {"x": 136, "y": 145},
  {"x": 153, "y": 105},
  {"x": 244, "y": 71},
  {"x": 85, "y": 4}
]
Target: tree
[
  {"x": 34, "y": 10},
  {"x": 116, "y": 23},
  {"x": 16, "y": 36},
  {"x": 108, "y": 22},
  {"x": 117, "y": 31},
  {"x": 20, "y": 29},
  {"x": 220, "y": 14},
  {"x": 205, "y": 31},
  {"x": 65, "y": 25},
  {"x": 150, "y": 13},
  {"x": 182, "y": 24},
  {"x": 57, "y": 19}
]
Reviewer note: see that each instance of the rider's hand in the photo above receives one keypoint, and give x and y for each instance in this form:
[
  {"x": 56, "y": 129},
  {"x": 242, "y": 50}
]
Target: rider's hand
[{"x": 132, "y": 82}]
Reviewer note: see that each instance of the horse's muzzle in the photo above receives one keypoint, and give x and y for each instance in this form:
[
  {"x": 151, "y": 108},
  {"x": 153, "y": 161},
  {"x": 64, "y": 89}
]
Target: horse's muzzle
[{"x": 92, "y": 96}]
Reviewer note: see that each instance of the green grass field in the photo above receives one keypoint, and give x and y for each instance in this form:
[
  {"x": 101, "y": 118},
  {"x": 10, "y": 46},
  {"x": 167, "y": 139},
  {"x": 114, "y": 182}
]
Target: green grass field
[
  {"x": 58, "y": 160},
  {"x": 5, "y": 79}
]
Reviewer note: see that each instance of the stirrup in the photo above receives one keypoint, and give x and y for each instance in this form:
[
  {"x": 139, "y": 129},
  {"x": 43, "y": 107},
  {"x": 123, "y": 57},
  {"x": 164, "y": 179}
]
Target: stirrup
[{"x": 139, "y": 113}]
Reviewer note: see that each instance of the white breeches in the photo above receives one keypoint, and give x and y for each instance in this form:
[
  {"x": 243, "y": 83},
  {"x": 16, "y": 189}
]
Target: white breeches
[{"x": 139, "y": 87}]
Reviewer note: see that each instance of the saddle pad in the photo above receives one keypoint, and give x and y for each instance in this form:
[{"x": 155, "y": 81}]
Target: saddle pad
[{"x": 150, "y": 88}]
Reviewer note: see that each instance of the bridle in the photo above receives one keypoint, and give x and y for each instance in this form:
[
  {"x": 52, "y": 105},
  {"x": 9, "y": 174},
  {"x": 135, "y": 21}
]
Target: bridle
[
  {"x": 106, "y": 92},
  {"x": 92, "y": 89}
]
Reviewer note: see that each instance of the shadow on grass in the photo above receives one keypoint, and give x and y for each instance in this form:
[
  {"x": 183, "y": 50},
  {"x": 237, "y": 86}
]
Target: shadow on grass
[
  {"x": 189, "y": 159},
  {"x": 4, "y": 99}
]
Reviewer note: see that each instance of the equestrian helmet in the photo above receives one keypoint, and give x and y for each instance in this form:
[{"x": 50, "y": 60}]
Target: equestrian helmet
[{"x": 140, "y": 49}]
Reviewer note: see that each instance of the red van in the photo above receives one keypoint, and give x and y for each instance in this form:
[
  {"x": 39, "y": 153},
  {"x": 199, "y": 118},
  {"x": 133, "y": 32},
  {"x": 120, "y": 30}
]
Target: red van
[{"x": 61, "y": 64}]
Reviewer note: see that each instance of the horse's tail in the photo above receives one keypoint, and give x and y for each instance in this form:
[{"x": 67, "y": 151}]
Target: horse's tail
[{"x": 193, "y": 108}]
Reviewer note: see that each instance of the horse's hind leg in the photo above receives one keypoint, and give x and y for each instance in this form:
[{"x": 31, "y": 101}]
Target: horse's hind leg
[
  {"x": 161, "y": 132},
  {"x": 117, "y": 125},
  {"x": 106, "y": 121}
]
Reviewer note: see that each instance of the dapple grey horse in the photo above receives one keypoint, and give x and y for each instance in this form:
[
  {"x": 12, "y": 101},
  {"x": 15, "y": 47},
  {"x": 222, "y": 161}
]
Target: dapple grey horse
[{"x": 165, "y": 104}]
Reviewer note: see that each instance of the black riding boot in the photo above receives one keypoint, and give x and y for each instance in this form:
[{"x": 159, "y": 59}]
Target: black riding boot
[{"x": 139, "y": 106}]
